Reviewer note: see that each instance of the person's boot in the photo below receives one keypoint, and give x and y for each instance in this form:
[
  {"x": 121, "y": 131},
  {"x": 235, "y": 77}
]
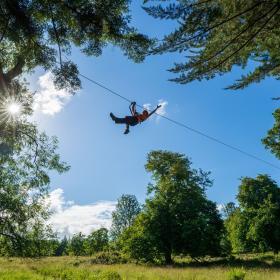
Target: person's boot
[
  {"x": 112, "y": 117},
  {"x": 126, "y": 131}
]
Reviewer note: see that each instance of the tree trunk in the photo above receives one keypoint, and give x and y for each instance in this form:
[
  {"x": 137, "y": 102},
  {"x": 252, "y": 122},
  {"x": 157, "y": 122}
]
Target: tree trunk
[
  {"x": 2, "y": 81},
  {"x": 167, "y": 257}
]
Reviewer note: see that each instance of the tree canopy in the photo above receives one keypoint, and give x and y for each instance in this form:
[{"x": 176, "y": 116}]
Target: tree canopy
[
  {"x": 217, "y": 35},
  {"x": 77, "y": 246},
  {"x": 272, "y": 140},
  {"x": 127, "y": 209},
  {"x": 254, "y": 225},
  {"x": 177, "y": 217},
  {"x": 97, "y": 241},
  {"x": 24, "y": 180},
  {"x": 40, "y": 33}
]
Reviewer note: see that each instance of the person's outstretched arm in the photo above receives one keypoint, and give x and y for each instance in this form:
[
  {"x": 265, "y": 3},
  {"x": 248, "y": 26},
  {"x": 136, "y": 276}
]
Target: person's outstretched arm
[
  {"x": 132, "y": 108},
  {"x": 158, "y": 106}
]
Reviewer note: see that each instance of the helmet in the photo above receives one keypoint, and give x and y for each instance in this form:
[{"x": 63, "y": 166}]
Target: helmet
[{"x": 145, "y": 113}]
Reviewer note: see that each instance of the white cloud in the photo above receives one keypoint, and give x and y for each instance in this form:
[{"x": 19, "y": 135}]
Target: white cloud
[
  {"x": 220, "y": 207},
  {"x": 48, "y": 99},
  {"x": 161, "y": 111},
  {"x": 147, "y": 106},
  {"x": 69, "y": 218}
]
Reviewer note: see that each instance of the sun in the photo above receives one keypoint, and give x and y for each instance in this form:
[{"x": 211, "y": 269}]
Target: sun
[
  {"x": 14, "y": 109},
  {"x": 10, "y": 110}
]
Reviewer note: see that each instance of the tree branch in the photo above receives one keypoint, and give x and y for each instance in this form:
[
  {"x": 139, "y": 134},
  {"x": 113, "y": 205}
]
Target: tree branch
[
  {"x": 181, "y": 7},
  {"x": 74, "y": 10},
  {"x": 15, "y": 71},
  {"x": 197, "y": 3},
  {"x": 4, "y": 31},
  {"x": 247, "y": 42},
  {"x": 231, "y": 41},
  {"x": 57, "y": 39},
  {"x": 215, "y": 67},
  {"x": 34, "y": 141},
  {"x": 260, "y": 73},
  {"x": 214, "y": 26},
  {"x": 227, "y": 20},
  {"x": 3, "y": 86}
]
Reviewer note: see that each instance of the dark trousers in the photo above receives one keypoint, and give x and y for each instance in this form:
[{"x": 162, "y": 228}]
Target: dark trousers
[{"x": 128, "y": 120}]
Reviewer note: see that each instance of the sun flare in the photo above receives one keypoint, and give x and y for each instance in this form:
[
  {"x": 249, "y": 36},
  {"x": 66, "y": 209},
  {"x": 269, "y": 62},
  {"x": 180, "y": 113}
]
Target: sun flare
[
  {"x": 14, "y": 108},
  {"x": 10, "y": 110}
]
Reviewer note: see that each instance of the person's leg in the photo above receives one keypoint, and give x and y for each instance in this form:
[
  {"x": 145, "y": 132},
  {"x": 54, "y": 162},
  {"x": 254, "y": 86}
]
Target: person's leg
[
  {"x": 131, "y": 120},
  {"x": 117, "y": 120},
  {"x": 127, "y": 129},
  {"x": 128, "y": 120},
  {"x": 133, "y": 107}
]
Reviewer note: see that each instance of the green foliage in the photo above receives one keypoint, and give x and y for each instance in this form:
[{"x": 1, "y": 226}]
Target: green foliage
[
  {"x": 229, "y": 209},
  {"x": 25, "y": 163},
  {"x": 237, "y": 274},
  {"x": 255, "y": 225},
  {"x": 108, "y": 258},
  {"x": 24, "y": 183},
  {"x": 68, "y": 268},
  {"x": 41, "y": 33},
  {"x": 76, "y": 245},
  {"x": 226, "y": 248},
  {"x": 109, "y": 275},
  {"x": 254, "y": 192},
  {"x": 177, "y": 217},
  {"x": 237, "y": 228},
  {"x": 81, "y": 245},
  {"x": 40, "y": 241},
  {"x": 61, "y": 248},
  {"x": 272, "y": 140},
  {"x": 127, "y": 209},
  {"x": 78, "y": 274},
  {"x": 215, "y": 36},
  {"x": 97, "y": 241},
  {"x": 137, "y": 242},
  {"x": 15, "y": 275}
]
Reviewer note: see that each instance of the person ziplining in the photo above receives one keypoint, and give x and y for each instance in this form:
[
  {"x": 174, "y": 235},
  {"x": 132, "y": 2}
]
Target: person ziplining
[{"x": 135, "y": 117}]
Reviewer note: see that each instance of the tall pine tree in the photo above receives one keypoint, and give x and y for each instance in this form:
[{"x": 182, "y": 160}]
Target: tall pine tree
[{"x": 217, "y": 35}]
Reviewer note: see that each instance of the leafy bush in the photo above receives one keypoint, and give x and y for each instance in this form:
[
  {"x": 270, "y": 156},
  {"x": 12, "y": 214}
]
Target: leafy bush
[
  {"x": 108, "y": 258},
  {"x": 237, "y": 274},
  {"x": 231, "y": 258}
]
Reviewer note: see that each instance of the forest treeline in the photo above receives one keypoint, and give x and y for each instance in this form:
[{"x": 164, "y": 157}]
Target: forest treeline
[{"x": 177, "y": 218}]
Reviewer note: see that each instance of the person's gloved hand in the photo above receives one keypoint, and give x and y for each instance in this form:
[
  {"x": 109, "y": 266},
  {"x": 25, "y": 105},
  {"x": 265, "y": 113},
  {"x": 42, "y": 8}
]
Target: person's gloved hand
[{"x": 158, "y": 106}]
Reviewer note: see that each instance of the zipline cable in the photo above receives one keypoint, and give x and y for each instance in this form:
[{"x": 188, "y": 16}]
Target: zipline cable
[{"x": 185, "y": 126}]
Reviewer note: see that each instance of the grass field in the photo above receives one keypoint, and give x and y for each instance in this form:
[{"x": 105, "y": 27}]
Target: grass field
[{"x": 68, "y": 268}]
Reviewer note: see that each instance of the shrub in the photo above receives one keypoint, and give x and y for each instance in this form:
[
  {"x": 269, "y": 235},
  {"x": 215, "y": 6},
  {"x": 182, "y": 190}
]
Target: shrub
[
  {"x": 108, "y": 258},
  {"x": 237, "y": 274}
]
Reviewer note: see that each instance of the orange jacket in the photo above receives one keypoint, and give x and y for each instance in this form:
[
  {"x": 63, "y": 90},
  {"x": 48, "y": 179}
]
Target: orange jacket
[{"x": 141, "y": 117}]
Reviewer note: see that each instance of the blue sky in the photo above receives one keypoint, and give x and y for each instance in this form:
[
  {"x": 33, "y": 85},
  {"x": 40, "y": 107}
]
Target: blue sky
[{"x": 105, "y": 163}]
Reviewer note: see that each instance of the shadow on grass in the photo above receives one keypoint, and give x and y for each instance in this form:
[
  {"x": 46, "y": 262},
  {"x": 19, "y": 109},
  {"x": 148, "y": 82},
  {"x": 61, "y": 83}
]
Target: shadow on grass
[{"x": 262, "y": 262}]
